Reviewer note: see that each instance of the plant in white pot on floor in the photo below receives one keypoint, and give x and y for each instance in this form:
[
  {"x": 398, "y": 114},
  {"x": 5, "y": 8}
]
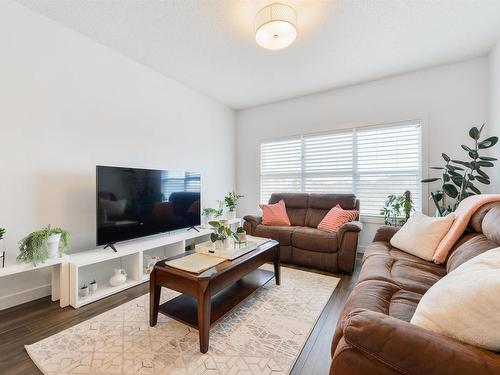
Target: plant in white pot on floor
[
  {"x": 41, "y": 245},
  {"x": 231, "y": 201}
]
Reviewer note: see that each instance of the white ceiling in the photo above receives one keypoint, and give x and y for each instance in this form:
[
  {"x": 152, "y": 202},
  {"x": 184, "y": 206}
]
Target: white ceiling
[{"x": 209, "y": 45}]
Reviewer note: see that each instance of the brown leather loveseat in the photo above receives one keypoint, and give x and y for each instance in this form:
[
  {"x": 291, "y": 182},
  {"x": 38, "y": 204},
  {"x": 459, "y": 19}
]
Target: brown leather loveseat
[
  {"x": 374, "y": 336},
  {"x": 302, "y": 243}
]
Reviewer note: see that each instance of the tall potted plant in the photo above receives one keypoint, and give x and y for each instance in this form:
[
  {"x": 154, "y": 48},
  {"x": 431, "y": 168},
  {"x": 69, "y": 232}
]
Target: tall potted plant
[
  {"x": 397, "y": 209},
  {"x": 460, "y": 178},
  {"x": 41, "y": 245},
  {"x": 231, "y": 201}
]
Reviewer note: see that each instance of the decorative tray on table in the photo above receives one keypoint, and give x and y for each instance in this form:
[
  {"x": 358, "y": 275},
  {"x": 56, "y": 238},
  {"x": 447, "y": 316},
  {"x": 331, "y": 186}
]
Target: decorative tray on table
[{"x": 233, "y": 250}]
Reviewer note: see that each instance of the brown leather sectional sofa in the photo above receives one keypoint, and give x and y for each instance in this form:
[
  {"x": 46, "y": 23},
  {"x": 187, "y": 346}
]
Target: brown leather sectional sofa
[
  {"x": 374, "y": 336},
  {"x": 302, "y": 243}
]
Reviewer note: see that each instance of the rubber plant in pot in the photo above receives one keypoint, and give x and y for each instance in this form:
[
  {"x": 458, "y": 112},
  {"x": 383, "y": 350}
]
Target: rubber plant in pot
[
  {"x": 41, "y": 245},
  {"x": 460, "y": 178},
  {"x": 231, "y": 201}
]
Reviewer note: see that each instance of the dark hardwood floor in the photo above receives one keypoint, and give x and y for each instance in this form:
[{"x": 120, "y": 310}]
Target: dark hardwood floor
[{"x": 36, "y": 320}]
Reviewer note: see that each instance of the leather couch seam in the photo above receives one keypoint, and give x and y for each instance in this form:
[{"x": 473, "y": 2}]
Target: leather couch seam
[{"x": 369, "y": 353}]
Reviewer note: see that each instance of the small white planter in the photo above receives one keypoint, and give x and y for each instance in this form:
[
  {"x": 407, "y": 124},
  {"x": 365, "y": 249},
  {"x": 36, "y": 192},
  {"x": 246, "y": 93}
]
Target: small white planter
[
  {"x": 222, "y": 245},
  {"x": 93, "y": 287},
  {"x": 53, "y": 245},
  {"x": 231, "y": 215},
  {"x": 83, "y": 292}
]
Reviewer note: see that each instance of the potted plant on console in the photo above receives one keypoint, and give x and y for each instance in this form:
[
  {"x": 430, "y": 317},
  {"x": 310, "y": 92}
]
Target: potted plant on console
[
  {"x": 41, "y": 245},
  {"x": 231, "y": 201},
  {"x": 221, "y": 235},
  {"x": 210, "y": 214},
  {"x": 397, "y": 209}
]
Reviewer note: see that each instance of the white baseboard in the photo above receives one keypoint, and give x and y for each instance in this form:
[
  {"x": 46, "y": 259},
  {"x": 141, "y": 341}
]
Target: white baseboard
[{"x": 24, "y": 296}]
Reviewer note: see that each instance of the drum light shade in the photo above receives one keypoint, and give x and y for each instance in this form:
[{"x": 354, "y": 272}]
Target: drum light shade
[{"x": 276, "y": 26}]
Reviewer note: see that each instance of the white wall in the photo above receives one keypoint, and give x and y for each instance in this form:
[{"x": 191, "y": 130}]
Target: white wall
[
  {"x": 67, "y": 104},
  {"x": 449, "y": 99},
  {"x": 494, "y": 120}
]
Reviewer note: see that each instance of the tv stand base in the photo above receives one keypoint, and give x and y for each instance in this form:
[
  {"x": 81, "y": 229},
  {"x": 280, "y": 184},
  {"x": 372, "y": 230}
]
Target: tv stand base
[
  {"x": 111, "y": 245},
  {"x": 193, "y": 227}
]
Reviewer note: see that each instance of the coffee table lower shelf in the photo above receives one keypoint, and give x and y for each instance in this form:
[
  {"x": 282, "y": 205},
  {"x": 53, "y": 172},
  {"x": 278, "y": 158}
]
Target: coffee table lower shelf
[{"x": 183, "y": 308}]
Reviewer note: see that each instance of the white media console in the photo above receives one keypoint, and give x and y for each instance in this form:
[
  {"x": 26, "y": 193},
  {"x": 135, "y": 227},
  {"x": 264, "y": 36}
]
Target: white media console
[{"x": 98, "y": 264}]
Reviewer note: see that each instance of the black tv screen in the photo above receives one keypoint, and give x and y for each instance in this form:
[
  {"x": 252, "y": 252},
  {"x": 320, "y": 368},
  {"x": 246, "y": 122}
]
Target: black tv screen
[{"x": 133, "y": 202}]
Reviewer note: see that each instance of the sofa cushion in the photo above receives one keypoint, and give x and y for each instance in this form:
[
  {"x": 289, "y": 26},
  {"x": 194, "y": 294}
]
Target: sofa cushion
[
  {"x": 337, "y": 217},
  {"x": 475, "y": 319},
  {"x": 422, "y": 234},
  {"x": 296, "y": 206},
  {"x": 275, "y": 214},
  {"x": 385, "y": 248},
  {"x": 490, "y": 225},
  {"x": 314, "y": 239},
  {"x": 384, "y": 297},
  {"x": 476, "y": 245},
  {"x": 413, "y": 275},
  {"x": 282, "y": 234},
  {"x": 320, "y": 204}
]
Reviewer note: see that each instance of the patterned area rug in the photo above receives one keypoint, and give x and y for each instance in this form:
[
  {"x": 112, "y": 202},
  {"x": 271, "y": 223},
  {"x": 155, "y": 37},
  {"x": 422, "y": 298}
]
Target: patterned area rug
[{"x": 263, "y": 335}]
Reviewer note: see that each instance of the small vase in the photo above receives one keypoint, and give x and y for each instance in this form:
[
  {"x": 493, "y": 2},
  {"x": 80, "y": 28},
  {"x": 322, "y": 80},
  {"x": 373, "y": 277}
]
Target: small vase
[
  {"x": 221, "y": 245},
  {"x": 119, "y": 277},
  {"x": 53, "y": 245},
  {"x": 84, "y": 292},
  {"x": 231, "y": 215},
  {"x": 93, "y": 287},
  {"x": 242, "y": 237}
]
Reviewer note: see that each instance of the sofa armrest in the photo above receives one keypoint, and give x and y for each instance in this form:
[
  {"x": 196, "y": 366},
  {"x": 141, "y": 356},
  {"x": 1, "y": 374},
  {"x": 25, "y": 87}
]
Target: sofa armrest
[
  {"x": 376, "y": 343},
  {"x": 251, "y": 221},
  {"x": 385, "y": 233},
  {"x": 347, "y": 238}
]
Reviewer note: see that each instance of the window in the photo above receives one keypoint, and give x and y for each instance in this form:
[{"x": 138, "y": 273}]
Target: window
[{"x": 371, "y": 162}]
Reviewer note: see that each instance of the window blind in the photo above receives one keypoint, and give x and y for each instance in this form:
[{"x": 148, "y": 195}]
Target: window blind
[
  {"x": 370, "y": 162},
  {"x": 388, "y": 162},
  {"x": 280, "y": 167}
]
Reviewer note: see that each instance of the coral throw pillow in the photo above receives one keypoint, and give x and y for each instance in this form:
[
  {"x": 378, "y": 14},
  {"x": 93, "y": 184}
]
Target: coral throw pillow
[
  {"x": 275, "y": 214},
  {"x": 336, "y": 217}
]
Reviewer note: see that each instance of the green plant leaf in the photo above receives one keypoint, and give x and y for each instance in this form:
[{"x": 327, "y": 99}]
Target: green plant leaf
[
  {"x": 457, "y": 180},
  {"x": 214, "y": 224},
  {"x": 483, "y": 174},
  {"x": 466, "y": 148},
  {"x": 483, "y": 163},
  {"x": 464, "y": 163},
  {"x": 473, "y": 154},
  {"x": 474, "y": 133},
  {"x": 450, "y": 190},
  {"x": 437, "y": 168},
  {"x": 483, "y": 180},
  {"x": 488, "y": 142},
  {"x": 446, "y": 177},
  {"x": 426, "y": 180},
  {"x": 487, "y": 158},
  {"x": 446, "y": 157},
  {"x": 214, "y": 237},
  {"x": 471, "y": 176},
  {"x": 475, "y": 189}
]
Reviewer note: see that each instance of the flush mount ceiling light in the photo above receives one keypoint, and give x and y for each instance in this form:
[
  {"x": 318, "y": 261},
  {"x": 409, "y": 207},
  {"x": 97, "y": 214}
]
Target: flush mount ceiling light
[{"x": 275, "y": 26}]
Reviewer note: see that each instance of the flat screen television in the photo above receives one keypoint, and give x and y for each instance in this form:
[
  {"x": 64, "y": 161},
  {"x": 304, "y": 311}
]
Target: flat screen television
[{"x": 134, "y": 202}]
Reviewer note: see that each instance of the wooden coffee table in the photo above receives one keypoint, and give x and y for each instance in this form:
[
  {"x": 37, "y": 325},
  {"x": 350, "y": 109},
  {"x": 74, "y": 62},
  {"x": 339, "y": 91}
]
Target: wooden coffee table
[{"x": 208, "y": 296}]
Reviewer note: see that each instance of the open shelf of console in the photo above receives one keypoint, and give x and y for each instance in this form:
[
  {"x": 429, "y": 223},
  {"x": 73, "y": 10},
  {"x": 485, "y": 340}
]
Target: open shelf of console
[{"x": 98, "y": 264}]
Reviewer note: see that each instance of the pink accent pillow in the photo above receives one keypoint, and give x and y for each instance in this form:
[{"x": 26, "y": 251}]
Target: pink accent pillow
[
  {"x": 274, "y": 214},
  {"x": 336, "y": 217}
]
